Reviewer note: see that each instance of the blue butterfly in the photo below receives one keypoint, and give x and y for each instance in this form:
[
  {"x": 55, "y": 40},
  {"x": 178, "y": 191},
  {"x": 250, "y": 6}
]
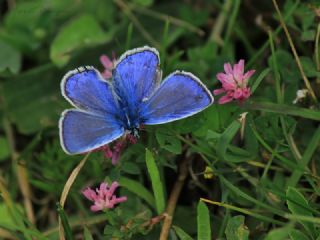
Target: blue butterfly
[{"x": 106, "y": 110}]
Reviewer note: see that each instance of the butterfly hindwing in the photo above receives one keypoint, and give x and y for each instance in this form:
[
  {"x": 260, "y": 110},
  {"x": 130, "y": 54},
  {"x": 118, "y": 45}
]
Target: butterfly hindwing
[
  {"x": 81, "y": 131},
  {"x": 179, "y": 96}
]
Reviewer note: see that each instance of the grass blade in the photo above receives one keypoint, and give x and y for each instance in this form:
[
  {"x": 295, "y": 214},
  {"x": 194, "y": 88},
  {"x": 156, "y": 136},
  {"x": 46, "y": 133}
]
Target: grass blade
[
  {"x": 257, "y": 82},
  {"x": 156, "y": 182},
  {"x": 65, "y": 222},
  {"x": 181, "y": 234},
  {"x": 138, "y": 189},
  {"x": 283, "y": 109},
  {"x": 203, "y": 220},
  {"x": 298, "y": 205},
  {"x": 226, "y": 138},
  {"x": 312, "y": 146}
]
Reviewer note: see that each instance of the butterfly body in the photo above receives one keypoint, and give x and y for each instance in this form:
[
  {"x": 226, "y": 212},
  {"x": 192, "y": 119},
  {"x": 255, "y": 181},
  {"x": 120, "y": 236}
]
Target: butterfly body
[{"x": 105, "y": 110}]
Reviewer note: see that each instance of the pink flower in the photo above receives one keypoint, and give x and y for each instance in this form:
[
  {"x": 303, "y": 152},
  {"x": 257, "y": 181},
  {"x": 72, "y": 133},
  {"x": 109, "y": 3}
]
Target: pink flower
[
  {"x": 108, "y": 66},
  {"x": 234, "y": 83},
  {"x": 115, "y": 149},
  {"x": 103, "y": 197}
]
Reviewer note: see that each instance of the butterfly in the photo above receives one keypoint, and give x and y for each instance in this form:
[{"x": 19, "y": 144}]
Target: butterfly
[{"x": 105, "y": 110}]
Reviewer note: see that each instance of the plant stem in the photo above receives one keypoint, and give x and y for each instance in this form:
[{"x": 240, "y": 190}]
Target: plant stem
[
  {"x": 243, "y": 210},
  {"x": 172, "y": 202},
  {"x": 21, "y": 172},
  {"x": 126, "y": 9},
  {"x": 164, "y": 17},
  {"x": 316, "y": 48},
  {"x": 67, "y": 187},
  {"x": 294, "y": 51},
  {"x": 218, "y": 27}
]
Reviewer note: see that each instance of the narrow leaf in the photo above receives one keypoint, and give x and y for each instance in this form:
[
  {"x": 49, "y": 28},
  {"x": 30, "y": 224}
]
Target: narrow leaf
[
  {"x": 236, "y": 230},
  {"x": 87, "y": 234},
  {"x": 181, "y": 233},
  {"x": 203, "y": 218},
  {"x": 298, "y": 205},
  {"x": 138, "y": 189},
  {"x": 257, "y": 82},
  {"x": 283, "y": 109},
  {"x": 307, "y": 155},
  {"x": 156, "y": 182},
  {"x": 297, "y": 235},
  {"x": 65, "y": 222},
  {"x": 226, "y": 138}
]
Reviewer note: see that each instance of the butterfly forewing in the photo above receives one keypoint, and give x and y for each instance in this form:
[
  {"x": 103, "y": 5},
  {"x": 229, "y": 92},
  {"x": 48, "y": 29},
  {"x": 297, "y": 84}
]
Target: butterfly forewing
[
  {"x": 136, "y": 75},
  {"x": 87, "y": 90}
]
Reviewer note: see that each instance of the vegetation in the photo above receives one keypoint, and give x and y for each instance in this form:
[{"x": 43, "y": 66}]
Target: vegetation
[{"x": 239, "y": 170}]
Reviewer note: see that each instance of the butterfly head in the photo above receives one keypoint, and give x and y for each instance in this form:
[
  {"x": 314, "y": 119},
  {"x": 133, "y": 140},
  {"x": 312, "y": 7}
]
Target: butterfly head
[{"x": 134, "y": 132}]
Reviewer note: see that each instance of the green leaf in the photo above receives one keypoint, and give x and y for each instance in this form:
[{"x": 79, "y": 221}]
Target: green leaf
[
  {"x": 65, "y": 222},
  {"x": 10, "y": 58},
  {"x": 203, "y": 219},
  {"x": 279, "y": 234},
  {"x": 168, "y": 141},
  {"x": 181, "y": 234},
  {"x": 250, "y": 142},
  {"x": 6, "y": 217},
  {"x": 284, "y": 109},
  {"x": 83, "y": 31},
  {"x": 306, "y": 157},
  {"x": 156, "y": 182},
  {"x": 235, "y": 154},
  {"x": 187, "y": 218},
  {"x": 212, "y": 135},
  {"x": 145, "y": 3},
  {"x": 137, "y": 188},
  {"x": 298, "y": 205},
  {"x": 130, "y": 167},
  {"x": 259, "y": 79},
  {"x": 309, "y": 67},
  {"x": 109, "y": 231},
  {"x": 307, "y": 36},
  {"x": 297, "y": 235},
  {"x": 288, "y": 70},
  {"x": 4, "y": 149},
  {"x": 87, "y": 234},
  {"x": 33, "y": 94},
  {"x": 26, "y": 37},
  {"x": 236, "y": 230}
]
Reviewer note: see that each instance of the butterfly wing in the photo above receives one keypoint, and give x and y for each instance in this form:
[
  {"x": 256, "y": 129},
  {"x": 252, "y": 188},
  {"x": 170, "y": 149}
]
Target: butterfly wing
[
  {"x": 85, "y": 89},
  {"x": 136, "y": 75},
  {"x": 96, "y": 122},
  {"x": 81, "y": 131},
  {"x": 179, "y": 96}
]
